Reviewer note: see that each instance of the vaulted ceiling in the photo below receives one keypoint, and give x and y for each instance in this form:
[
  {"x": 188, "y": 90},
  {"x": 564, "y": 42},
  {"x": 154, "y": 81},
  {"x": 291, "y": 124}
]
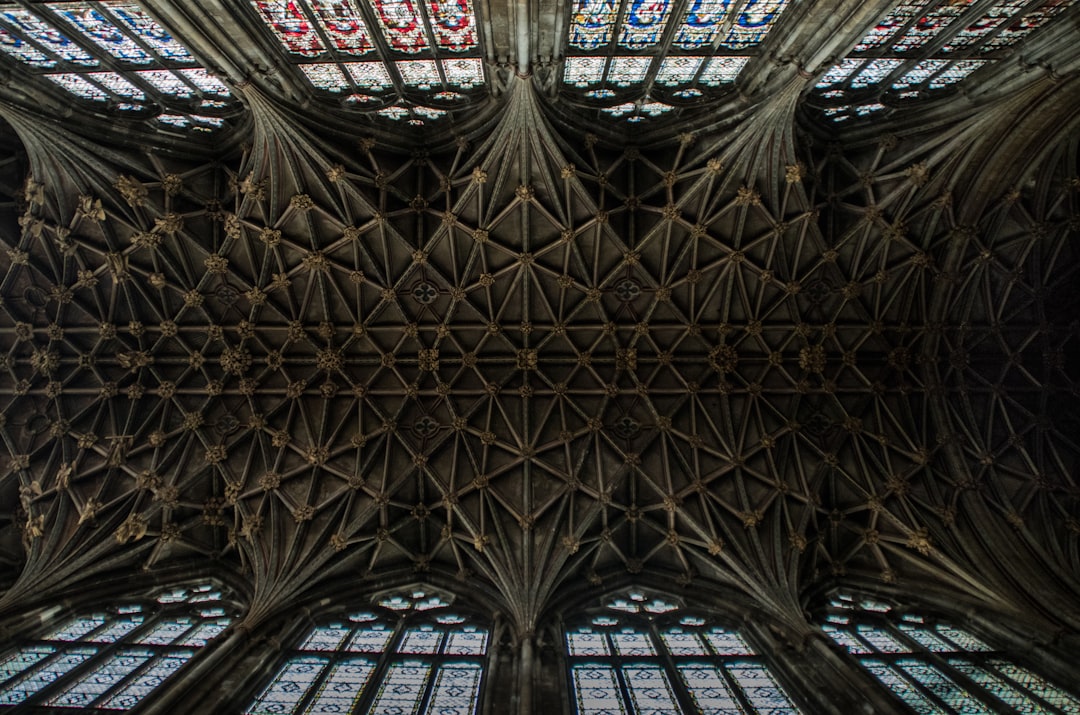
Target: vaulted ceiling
[{"x": 533, "y": 345}]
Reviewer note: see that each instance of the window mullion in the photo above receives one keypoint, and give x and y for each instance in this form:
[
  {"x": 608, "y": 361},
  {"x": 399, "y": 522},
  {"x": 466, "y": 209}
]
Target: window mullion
[{"x": 667, "y": 661}]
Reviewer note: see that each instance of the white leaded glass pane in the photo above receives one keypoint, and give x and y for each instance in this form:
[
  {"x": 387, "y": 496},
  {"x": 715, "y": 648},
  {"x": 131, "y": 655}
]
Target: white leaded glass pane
[
  {"x": 146, "y": 681},
  {"x": 456, "y": 690},
  {"x": 370, "y": 640},
  {"x": 874, "y": 72},
  {"x": 625, "y": 71},
  {"x": 936, "y": 682},
  {"x": 206, "y": 82},
  {"x": 94, "y": 684},
  {"x": 680, "y": 642},
  {"x": 342, "y": 687},
  {"x": 926, "y": 639},
  {"x": 957, "y": 72},
  {"x": 325, "y": 638},
  {"x": 1001, "y": 688},
  {"x": 117, "y": 84},
  {"x": 466, "y": 642},
  {"x": 635, "y": 644},
  {"x": 423, "y": 640},
  {"x": 839, "y": 72},
  {"x": 1033, "y": 683},
  {"x": 919, "y": 73},
  {"x": 15, "y": 663},
  {"x": 881, "y": 640},
  {"x": 464, "y": 72},
  {"x": 889, "y": 25},
  {"x": 76, "y": 629},
  {"x": 709, "y": 690},
  {"x": 289, "y": 686},
  {"x": 722, "y": 70},
  {"x": 650, "y": 690},
  {"x": 702, "y": 21},
  {"x": 642, "y": 24},
  {"x": 23, "y": 51},
  {"x": 419, "y": 73},
  {"x": 205, "y": 633},
  {"x": 395, "y": 112},
  {"x": 592, "y": 24},
  {"x": 165, "y": 82},
  {"x": 116, "y": 630},
  {"x": 587, "y": 643},
  {"x": 760, "y": 688},
  {"x": 678, "y": 70},
  {"x": 371, "y": 76},
  {"x": 583, "y": 71},
  {"x": 902, "y": 688},
  {"x": 135, "y": 19},
  {"x": 596, "y": 690},
  {"x": 31, "y": 27},
  {"x": 853, "y": 644},
  {"x": 965, "y": 640},
  {"x": 165, "y": 632},
  {"x": 42, "y": 675},
  {"x": 727, "y": 643},
  {"x": 102, "y": 32},
  {"x": 326, "y": 76},
  {"x": 174, "y": 120},
  {"x": 402, "y": 687}
]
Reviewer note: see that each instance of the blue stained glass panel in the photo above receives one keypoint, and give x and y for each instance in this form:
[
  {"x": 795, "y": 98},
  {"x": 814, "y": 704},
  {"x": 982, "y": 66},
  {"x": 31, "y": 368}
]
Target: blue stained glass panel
[
  {"x": 24, "y": 51},
  {"x": 342, "y": 687},
  {"x": 103, "y": 32},
  {"x": 650, "y": 690},
  {"x": 702, "y": 21},
  {"x": 146, "y": 681},
  {"x": 325, "y": 638},
  {"x": 587, "y": 643},
  {"x": 902, "y": 688},
  {"x": 42, "y": 675},
  {"x": 592, "y": 24},
  {"x": 401, "y": 688},
  {"x": 760, "y": 688},
  {"x": 94, "y": 684},
  {"x": 466, "y": 642},
  {"x": 15, "y": 663},
  {"x": 154, "y": 35},
  {"x": 754, "y": 22},
  {"x": 643, "y": 23},
  {"x": 423, "y": 640},
  {"x": 456, "y": 690},
  {"x": 289, "y": 686},
  {"x": 34, "y": 28},
  {"x": 596, "y": 690},
  {"x": 709, "y": 690}
]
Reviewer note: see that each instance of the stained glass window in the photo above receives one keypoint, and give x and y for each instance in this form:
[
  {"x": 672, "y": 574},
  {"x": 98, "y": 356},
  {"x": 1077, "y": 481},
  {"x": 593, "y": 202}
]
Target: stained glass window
[
  {"x": 644, "y": 654},
  {"x": 112, "y": 659},
  {"x": 922, "y": 47},
  {"x": 935, "y": 667},
  {"x": 137, "y": 64},
  {"x": 429, "y": 654},
  {"x": 428, "y": 46}
]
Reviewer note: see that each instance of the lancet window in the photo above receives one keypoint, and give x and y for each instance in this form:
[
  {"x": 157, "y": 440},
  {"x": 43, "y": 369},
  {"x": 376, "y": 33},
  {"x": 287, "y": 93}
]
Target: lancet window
[
  {"x": 660, "y": 54},
  {"x": 401, "y": 59},
  {"x": 921, "y": 47},
  {"x": 411, "y": 653},
  {"x": 114, "y": 55},
  {"x": 644, "y": 654},
  {"x": 112, "y": 658},
  {"x": 935, "y": 667}
]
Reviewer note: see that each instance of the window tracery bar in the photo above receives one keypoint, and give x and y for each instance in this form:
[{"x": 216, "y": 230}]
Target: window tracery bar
[
  {"x": 110, "y": 660},
  {"x": 645, "y": 656},
  {"x": 430, "y": 659},
  {"x": 935, "y": 667}
]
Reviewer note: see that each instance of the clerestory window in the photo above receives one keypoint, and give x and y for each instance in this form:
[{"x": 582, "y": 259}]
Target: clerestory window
[
  {"x": 411, "y": 654},
  {"x": 643, "y": 654},
  {"x": 110, "y": 659},
  {"x": 937, "y": 668}
]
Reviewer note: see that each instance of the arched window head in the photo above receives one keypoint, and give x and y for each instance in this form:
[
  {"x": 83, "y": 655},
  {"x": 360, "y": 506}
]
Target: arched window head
[
  {"x": 112, "y": 658},
  {"x": 408, "y": 652},
  {"x": 935, "y": 667},
  {"x": 645, "y": 654}
]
